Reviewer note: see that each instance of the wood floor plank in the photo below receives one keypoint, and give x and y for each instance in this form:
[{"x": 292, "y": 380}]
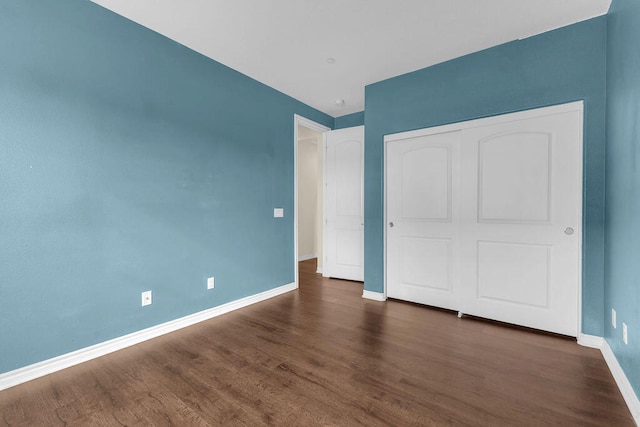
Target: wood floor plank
[{"x": 323, "y": 355}]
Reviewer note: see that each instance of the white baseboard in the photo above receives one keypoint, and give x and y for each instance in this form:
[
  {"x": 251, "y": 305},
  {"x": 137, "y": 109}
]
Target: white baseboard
[
  {"x": 590, "y": 341},
  {"x": 376, "y": 296},
  {"x": 623, "y": 382},
  {"x": 31, "y": 372},
  {"x": 619, "y": 376},
  {"x": 307, "y": 257},
  {"x": 319, "y": 270}
]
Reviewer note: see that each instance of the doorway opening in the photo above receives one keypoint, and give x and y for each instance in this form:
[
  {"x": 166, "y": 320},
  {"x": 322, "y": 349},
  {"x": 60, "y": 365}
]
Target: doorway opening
[{"x": 309, "y": 148}]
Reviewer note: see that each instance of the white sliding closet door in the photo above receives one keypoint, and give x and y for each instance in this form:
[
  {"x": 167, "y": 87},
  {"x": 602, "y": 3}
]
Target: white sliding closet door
[
  {"x": 522, "y": 229},
  {"x": 423, "y": 209},
  {"x": 499, "y": 235}
]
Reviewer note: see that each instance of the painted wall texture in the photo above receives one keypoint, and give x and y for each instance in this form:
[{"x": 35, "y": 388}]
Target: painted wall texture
[
  {"x": 130, "y": 163},
  {"x": 622, "y": 269},
  {"x": 350, "y": 120},
  {"x": 556, "y": 67}
]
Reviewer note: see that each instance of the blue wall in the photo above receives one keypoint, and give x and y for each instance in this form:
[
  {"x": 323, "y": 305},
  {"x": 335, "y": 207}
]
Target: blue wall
[
  {"x": 622, "y": 272},
  {"x": 128, "y": 163},
  {"x": 560, "y": 66},
  {"x": 350, "y": 120}
]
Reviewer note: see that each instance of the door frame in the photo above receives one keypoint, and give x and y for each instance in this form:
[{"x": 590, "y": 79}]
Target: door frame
[
  {"x": 492, "y": 120},
  {"x": 303, "y": 121}
]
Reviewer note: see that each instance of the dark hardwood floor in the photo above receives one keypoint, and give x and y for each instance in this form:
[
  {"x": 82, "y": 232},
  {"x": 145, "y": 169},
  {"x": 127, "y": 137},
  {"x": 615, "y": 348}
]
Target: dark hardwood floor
[{"x": 322, "y": 355}]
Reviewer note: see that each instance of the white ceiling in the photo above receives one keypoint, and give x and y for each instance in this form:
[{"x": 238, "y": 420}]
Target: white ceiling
[{"x": 285, "y": 43}]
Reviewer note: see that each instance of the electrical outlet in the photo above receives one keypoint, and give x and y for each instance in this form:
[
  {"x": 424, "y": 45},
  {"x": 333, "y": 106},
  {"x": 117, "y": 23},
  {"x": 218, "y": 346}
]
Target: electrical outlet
[
  {"x": 613, "y": 318},
  {"x": 146, "y": 298},
  {"x": 624, "y": 333},
  {"x": 211, "y": 282},
  {"x": 278, "y": 212}
]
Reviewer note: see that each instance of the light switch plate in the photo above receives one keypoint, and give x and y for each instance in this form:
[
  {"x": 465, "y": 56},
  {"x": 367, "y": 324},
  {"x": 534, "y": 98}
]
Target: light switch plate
[
  {"x": 278, "y": 212},
  {"x": 211, "y": 282},
  {"x": 146, "y": 298}
]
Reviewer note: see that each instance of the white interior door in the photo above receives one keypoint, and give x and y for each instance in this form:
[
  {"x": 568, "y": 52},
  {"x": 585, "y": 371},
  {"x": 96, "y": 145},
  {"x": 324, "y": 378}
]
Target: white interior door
[
  {"x": 509, "y": 249},
  {"x": 521, "y": 223},
  {"x": 423, "y": 234},
  {"x": 344, "y": 228}
]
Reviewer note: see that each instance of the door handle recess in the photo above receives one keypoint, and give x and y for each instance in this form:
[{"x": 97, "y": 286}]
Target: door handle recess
[
  {"x": 391, "y": 224},
  {"x": 568, "y": 231}
]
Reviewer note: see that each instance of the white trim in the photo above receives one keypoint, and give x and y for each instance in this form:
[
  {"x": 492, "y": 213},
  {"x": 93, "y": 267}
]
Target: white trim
[
  {"x": 619, "y": 376},
  {"x": 323, "y": 148},
  {"x": 623, "y": 382},
  {"x": 31, "y": 372},
  {"x": 300, "y": 121},
  {"x": 590, "y": 341},
  {"x": 307, "y": 257},
  {"x": 384, "y": 217},
  {"x": 579, "y": 106},
  {"x": 487, "y": 121},
  {"x": 376, "y": 296}
]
